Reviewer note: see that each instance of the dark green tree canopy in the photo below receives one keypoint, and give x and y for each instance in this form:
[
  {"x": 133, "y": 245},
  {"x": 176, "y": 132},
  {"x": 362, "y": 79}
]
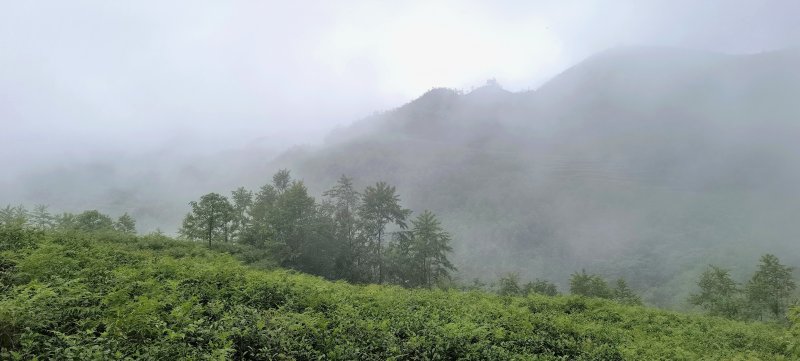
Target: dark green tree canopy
[{"x": 209, "y": 219}]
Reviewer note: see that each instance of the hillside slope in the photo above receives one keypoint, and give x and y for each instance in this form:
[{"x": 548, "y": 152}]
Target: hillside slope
[
  {"x": 111, "y": 296},
  {"x": 645, "y": 163}
]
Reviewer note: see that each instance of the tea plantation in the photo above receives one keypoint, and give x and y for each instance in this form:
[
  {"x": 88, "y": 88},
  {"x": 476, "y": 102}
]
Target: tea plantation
[{"x": 108, "y": 296}]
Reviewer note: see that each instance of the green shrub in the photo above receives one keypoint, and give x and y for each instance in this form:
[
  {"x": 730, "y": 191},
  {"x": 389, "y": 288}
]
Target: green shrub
[{"x": 73, "y": 296}]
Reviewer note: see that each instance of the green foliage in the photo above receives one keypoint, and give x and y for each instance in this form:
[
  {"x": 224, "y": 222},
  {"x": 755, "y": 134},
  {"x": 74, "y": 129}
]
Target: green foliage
[
  {"x": 418, "y": 258},
  {"x": 589, "y": 285},
  {"x": 380, "y": 207},
  {"x": 40, "y": 218},
  {"x": 13, "y": 216},
  {"x": 541, "y": 287},
  {"x": 125, "y": 224},
  {"x": 209, "y": 220},
  {"x": 93, "y": 221},
  {"x": 112, "y": 296},
  {"x": 719, "y": 294},
  {"x": 508, "y": 285},
  {"x": 624, "y": 295},
  {"x": 343, "y": 201},
  {"x": 344, "y": 236},
  {"x": 771, "y": 287}
]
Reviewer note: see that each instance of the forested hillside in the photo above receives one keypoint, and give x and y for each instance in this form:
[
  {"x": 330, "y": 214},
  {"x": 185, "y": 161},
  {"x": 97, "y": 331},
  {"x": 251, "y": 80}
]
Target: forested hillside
[
  {"x": 639, "y": 163},
  {"x": 642, "y": 163},
  {"x": 107, "y": 294}
]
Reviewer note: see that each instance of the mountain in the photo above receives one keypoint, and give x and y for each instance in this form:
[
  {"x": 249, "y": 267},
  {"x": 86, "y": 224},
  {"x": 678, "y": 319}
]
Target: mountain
[
  {"x": 643, "y": 163},
  {"x": 646, "y": 163}
]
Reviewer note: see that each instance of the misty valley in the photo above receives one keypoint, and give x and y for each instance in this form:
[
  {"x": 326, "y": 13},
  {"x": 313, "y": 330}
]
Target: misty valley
[{"x": 163, "y": 201}]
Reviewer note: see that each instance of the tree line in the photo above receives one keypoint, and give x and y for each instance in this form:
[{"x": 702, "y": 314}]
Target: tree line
[
  {"x": 362, "y": 236},
  {"x": 581, "y": 284},
  {"x": 88, "y": 221},
  {"x": 768, "y": 292}
]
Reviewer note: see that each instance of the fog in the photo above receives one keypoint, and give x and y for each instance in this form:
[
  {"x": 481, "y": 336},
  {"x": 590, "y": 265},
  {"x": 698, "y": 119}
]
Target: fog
[
  {"x": 625, "y": 134},
  {"x": 82, "y": 78}
]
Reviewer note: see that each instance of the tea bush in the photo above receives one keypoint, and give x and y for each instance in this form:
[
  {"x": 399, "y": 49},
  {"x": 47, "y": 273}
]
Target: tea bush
[{"x": 75, "y": 296}]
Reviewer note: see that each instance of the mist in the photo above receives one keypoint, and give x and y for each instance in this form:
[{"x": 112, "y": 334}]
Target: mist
[{"x": 643, "y": 134}]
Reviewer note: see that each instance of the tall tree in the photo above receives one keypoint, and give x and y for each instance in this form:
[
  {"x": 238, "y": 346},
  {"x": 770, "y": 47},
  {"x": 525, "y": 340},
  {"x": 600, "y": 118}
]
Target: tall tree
[
  {"x": 64, "y": 221},
  {"x": 258, "y": 231},
  {"x": 343, "y": 200},
  {"x": 282, "y": 180},
  {"x": 208, "y": 219},
  {"x": 542, "y": 287},
  {"x": 624, "y": 295},
  {"x": 589, "y": 285},
  {"x": 290, "y": 222},
  {"x": 430, "y": 246},
  {"x": 242, "y": 203},
  {"x": 770, "y": 287},
  {"x": 379, "y": 207},
  {"x": 125, "y": 224},
  {"x": 508, "y": 285},
  {"x": 93, "y": 220},
  {"x": 719, "y": 293},
  {"x": 13, "y": 216},
  {"x": 41, "y": 218}
]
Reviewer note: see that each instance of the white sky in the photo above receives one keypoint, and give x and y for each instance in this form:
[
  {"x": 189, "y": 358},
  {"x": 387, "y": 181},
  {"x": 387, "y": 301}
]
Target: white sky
[{"x": 81, "y": 77}]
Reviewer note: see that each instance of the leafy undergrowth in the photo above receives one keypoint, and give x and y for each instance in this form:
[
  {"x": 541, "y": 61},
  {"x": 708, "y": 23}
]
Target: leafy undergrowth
[{"x": 79, "y": 296}]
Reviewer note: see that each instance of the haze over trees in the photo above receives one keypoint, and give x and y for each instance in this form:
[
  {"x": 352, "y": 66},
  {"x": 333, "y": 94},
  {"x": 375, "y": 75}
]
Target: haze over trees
[
  {"x": 769, "y": 291},
  {"x": 597, "y": 169},
  {"x": 346, "y": 236},
  {"x": 107, "y": 294}
]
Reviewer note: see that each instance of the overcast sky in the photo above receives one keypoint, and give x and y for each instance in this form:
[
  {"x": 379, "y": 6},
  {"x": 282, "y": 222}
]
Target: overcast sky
[{"x": 78, "y": 77}]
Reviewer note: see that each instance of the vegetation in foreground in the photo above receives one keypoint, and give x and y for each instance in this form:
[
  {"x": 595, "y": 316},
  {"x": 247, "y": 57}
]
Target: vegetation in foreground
[{"x": 111, "y": 295}]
